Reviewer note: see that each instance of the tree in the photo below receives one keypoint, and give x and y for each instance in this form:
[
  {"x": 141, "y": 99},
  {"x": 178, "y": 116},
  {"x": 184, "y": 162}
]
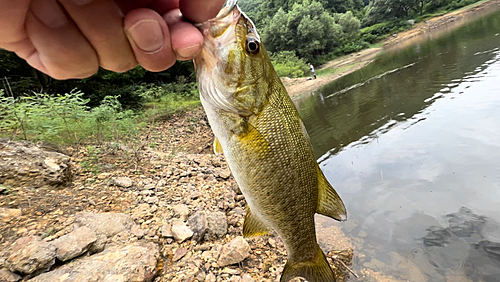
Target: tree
[
  {"x": 307, "y": 29},
  {"x": 350, "y": 25},
  {"x": 384, "y": 10}
]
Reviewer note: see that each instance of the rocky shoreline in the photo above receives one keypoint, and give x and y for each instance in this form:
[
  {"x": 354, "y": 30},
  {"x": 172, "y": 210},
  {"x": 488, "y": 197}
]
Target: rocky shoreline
[{"x": 115, "y": 212}]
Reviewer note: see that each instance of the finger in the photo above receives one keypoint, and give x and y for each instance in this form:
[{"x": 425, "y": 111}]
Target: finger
[
  {"x": 186, "y": 39},
  {"x": 101, "y": 22},
  {"x": 128, "y": 5},
  {"x": 199, "y": 11},
  {"x": 12, "y": 16},
  {"x": 150, "y": 39},
  {"x": 164, "y": 6},
  {"x": 61, "y": 50}
]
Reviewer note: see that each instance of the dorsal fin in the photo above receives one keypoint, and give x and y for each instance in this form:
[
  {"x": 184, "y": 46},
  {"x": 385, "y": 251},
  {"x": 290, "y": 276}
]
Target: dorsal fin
[{"x": 329, "y": 202}]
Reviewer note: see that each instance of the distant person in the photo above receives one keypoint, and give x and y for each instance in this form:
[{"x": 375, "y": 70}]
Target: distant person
[
  {"x": 311, "y": 67},
  {"x": 72, "y": 39}
]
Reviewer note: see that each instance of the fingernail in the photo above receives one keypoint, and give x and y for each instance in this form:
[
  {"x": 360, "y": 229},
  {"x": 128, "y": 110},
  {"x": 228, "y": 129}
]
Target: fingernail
[
  {"x": 49, "y": 12},
  {"x": 147, "y": 35},
  {"x": 188, "y": 52},
  {"x": 82, "y": 2}
]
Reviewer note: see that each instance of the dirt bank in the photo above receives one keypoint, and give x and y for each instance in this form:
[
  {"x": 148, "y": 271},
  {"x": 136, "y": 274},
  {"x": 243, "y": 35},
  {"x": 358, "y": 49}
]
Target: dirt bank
[{"x": 352, "y": 62}]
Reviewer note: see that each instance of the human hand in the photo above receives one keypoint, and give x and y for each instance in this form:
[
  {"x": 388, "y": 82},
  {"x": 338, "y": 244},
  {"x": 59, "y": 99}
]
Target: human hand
[{"x": 72, "y": 38}]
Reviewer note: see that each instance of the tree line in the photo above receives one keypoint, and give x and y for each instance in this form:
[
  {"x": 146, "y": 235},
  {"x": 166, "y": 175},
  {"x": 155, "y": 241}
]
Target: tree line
[{"x": 296, "y": 32}]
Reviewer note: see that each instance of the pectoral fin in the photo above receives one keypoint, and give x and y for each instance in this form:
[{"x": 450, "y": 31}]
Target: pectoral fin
[
  {"x": 217, "y": 147},
  {"x": 251, "y": 141},
  {"x": 253, "y": 226},
  {"x": 329, "y": 202}
]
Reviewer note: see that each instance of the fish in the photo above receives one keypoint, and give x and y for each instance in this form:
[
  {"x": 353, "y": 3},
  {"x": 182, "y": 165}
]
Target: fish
[{"x": 265, "y": 142}]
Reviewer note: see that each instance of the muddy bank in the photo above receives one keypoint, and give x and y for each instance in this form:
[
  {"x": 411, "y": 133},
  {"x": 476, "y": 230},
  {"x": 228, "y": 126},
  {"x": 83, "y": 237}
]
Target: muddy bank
[{"x": 428, "y": 29}]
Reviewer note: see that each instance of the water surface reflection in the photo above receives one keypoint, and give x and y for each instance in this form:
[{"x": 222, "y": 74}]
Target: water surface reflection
[{"x": 417, "y": 139}]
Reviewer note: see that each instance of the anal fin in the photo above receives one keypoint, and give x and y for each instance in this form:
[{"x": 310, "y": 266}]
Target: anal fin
[
  {"x": 315, "y": 270},
  {"x": 254, "y": 226},
  {"x": 329, "y": 202}
]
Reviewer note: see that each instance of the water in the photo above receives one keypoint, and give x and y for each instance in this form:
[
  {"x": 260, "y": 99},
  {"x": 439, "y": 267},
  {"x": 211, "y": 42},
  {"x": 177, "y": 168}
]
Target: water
[{"x": 412, "y": 145}]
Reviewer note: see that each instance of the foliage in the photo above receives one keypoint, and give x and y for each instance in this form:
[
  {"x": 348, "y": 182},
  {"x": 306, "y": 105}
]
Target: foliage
[
  {"x": 314, "y": 30},
  {"x": 19, "y": 79},
  {"x": 318, "y": 30},
  {"x": 91, "y": 161},
  {"x": 287, "y": 64},
  {"x": 380, "y": 31},
  {"x": 379, "y": 11},
  {"x": 64, "y": 119},
  {"x": 350, "y": 25},
  {"x": 167, "y": 99}
]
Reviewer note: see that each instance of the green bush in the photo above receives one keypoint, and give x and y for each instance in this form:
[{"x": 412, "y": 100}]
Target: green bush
[
  {"x": 287, "y": 64},
  {"x": 166, "y": 99},
  {"x": 354, "y": 46},
  {"x": 377, "y": 32},
  {"x": 65, "y": 119}
]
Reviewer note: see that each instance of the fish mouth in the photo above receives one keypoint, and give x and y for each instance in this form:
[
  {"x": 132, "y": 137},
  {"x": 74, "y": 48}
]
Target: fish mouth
[
  {"x": 218, "y": 64},
  {"x": 228, "y": 16},
  {"x": 219, "y": 36},
  {"x": 226, "y": 10}
]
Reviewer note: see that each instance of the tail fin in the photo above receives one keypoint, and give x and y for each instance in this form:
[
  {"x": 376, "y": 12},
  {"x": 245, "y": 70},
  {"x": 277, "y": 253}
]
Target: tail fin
[{"x": 315, "y": 270}]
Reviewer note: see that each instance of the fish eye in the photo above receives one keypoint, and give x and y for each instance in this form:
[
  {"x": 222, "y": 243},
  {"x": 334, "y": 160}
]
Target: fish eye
[{"x": 252, "y": 45}]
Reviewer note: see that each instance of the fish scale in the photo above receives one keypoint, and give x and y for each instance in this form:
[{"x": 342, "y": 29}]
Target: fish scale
[{"x": 265, "y": 143}]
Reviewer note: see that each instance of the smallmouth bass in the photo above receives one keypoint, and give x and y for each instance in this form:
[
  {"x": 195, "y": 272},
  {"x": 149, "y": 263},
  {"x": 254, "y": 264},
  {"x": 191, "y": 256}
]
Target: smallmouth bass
[{"x": 265, "y": 142}]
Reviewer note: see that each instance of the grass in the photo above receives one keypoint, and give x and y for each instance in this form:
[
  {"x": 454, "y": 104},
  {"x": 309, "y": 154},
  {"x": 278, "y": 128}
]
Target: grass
[
  {"x": 333, "y": 70},
  {"x": 377, "y": 45}
]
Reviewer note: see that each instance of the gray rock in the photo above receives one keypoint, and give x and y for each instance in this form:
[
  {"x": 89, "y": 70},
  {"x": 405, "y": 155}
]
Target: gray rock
[
  {"x": 210, "y": 278},
  {"x": 24, "y": 163},
  {"x": 198, "y": 224},
  {"x": 179, "y": 253},
  {"x": 137, "y": 231},
  {"x": 234, "y": 252},
  {"x": 8, "y": 214},
  {"x": 74, "y": 244},
  {"x": 118, "y": 146},
  {"x": 124, "y": 182},
  {"x": 223, "y": 173},
  {"x": 152, "y": 200},
  {"x": 182, "y": 211},
  {"x": 30, "y": 254},
  {"x": 7, "y": 276},
  {"x": 99, "y": 244},
  {"x": 195, "y": 195},
  {"x": 142, "y": 211},
  {"x": 108, "y": 224},
  {"x": 180, "y": 231},
  {"x": 119, "y": 263},
  {"x": 217, "y": 225},
  {"x": 166, "y": 231},
  {"x": 247, "y": 278}
]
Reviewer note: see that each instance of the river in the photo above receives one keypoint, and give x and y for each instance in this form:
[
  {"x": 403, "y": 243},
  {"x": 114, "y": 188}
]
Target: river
[{"x": 412, "y": 145}]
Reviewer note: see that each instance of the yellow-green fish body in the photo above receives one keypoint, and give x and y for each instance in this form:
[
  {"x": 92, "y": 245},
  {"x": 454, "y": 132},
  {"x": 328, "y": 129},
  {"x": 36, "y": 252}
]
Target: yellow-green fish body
[{"x": 264, "y": 142}]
